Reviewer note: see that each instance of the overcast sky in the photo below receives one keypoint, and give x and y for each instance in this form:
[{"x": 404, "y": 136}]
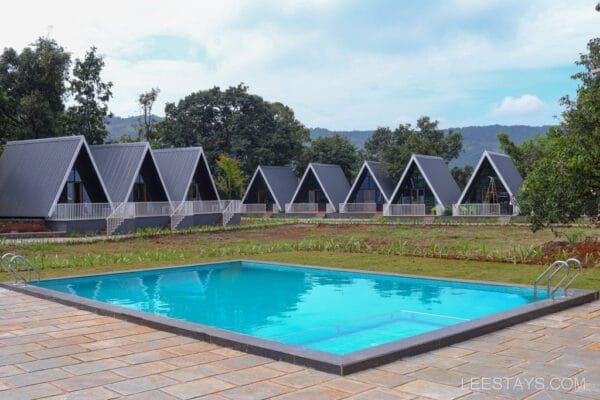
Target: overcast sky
[{"x": 340, "y": 64}]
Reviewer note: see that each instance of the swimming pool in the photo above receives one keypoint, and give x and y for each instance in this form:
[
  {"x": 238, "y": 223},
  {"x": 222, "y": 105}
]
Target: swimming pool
[{"x": 324, "y": 313}]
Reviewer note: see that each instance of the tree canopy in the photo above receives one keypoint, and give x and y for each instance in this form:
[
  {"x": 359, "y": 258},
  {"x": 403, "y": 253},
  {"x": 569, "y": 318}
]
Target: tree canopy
[
  {"x": 88, "y": 116},
  {"x": 237, "y": 123},
  {"x": 32, "y": 90},
  {"x": 396, "y": 147},
  {"x": 335, "y": 149}
]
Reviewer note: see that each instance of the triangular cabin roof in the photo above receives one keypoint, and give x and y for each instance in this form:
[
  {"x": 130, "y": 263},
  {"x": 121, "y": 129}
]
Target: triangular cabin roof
[
  {"x": 382, "y": 179},
  {"x": 504, "y": 168},
  {"x": 437, "y": 175},
  {"x": 281, "y": 182},
  {"x": 33, "y": 174},
  {"x": 332, "y": 180},
  {"x": 119, "y": 165},
  {"x": 178, "y": 166}
]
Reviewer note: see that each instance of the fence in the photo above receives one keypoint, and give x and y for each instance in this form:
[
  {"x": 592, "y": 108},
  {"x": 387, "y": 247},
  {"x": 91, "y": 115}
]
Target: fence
[
  {"x": 75, "y": 211},
  {"x": 358, "y": 207},
  {"x": 409, "y": 210},
  {"x": 476, "y": 210}
]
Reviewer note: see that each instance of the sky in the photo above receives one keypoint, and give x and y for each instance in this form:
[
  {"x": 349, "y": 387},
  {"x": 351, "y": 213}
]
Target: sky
[{"x": 339, "y": 64}]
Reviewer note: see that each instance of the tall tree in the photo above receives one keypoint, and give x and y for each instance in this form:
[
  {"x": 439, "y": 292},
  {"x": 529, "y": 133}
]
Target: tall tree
[
  {"x": 426, "y": 138},
  {"x": 375, "y": 146},
  {"x": 229, "y": 180},
  {"x": 462, "y": 175},
  {"x": 336, "y": 149},
  {"x": 88, "y": 116},
  {"x": 524, "y": 155},
  {"x": 565, "y": 181},
  {"x": 32, "y": 90},
  {"x": 237, "y": 123},
  {"x": 147, "y": 121}
]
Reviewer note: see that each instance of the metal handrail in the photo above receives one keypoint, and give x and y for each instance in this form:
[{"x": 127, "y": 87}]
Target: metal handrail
[
  {"x": 579, "y": 272},
  {"x": 12, "y": 268},
  {"x": 555, "y": 267}
]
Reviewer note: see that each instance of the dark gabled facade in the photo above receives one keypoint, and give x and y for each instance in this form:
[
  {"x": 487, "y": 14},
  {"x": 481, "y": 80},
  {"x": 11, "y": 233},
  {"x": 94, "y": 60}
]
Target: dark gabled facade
[
  {"x": 322, "y": 184},
  {"x": 36, "y": 175},
  {"x": 426, "y": 180},
  {"x": 494, "y": 180},
  {"x": 272, "y": 186},
  {"x": 130, "y": 172},
  {"x": 372, "y": 185},
  {"x": 186, "y": 174}
]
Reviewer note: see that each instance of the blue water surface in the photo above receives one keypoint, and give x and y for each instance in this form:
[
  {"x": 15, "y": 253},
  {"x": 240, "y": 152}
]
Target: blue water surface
[{"x": 333, "y": 311}]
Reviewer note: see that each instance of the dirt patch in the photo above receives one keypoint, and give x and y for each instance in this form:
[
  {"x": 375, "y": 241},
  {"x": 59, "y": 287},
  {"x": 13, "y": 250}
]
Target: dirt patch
[{"x": 587, "y": 252}]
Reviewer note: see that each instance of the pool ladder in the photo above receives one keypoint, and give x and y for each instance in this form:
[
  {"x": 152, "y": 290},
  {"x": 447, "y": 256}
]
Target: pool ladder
[
  {"x": 553, "y": 270},
  {"x": 19, "y": 268}
]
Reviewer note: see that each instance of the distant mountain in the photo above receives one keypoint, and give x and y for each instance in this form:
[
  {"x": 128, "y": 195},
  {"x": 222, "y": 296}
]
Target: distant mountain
[
  {"x": 476, "y": 139},
  {"x": 121, "y": 126}
]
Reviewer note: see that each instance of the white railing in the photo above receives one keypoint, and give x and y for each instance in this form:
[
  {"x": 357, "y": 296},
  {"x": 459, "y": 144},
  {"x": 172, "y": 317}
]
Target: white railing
[
  {"x": 409, "y": 210},
  {"x": 329, "y": 208},
  {"x": 476, "y": 210},
  {"x": 75, "y": 211},
  {"x": 233, "y": 207},
  {"x": 254, "y": 208},
  {"x": 358, "y": 207},
  {"x": 302, "y": 208},
  {"x": 153, "y": 209},
  {"x": 208, "y": 206},
  {"x": 121, "y": 212}
]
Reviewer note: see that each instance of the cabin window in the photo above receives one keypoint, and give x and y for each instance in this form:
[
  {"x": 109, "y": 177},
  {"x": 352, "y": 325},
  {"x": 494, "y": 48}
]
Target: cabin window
[
  {"x": 74, "y": 190},
  {"x": 417, "y": 196},
  {"x": 261, "y": 196},
  {"x": 139, "y": 193}
]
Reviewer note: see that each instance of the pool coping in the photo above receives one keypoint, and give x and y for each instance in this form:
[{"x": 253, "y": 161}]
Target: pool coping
[{"x": 320, "y": 360}]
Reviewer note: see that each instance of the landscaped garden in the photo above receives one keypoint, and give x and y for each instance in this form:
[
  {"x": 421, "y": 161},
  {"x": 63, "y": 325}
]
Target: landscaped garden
[{"x": 510, "y": 253}]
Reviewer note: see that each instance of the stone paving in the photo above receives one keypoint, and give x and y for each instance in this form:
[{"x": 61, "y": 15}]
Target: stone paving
[{"x": 48, "y": 350}]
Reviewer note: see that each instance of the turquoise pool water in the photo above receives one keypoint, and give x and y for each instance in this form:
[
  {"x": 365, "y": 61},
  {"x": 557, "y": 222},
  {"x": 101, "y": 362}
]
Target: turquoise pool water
[{"x": 333, "y": 311}]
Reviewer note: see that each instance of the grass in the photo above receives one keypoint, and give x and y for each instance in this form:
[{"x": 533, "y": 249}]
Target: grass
[{"x": 496, "y": 253}]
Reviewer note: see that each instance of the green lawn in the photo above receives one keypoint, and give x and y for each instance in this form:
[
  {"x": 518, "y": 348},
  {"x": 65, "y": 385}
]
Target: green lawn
[{"x": 467, "y": 252}]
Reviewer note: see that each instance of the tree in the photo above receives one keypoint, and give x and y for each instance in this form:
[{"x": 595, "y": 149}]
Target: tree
[
  {"x": 462, "y": 175},
  {"x": 335, "y": 149},
  {"x": 524, "y": 155},
  {"x": 564, "y": 182},
  {"x": 426, "y": 138},
  {"x": 236, "y": 123},
  {"x": 229, "y": 179},
  {"x": 147, "y": 121},
  {"x": 91, "y": 94},
  {"x": 375, "y": 146},
  {"x": 32, "y": 90}
]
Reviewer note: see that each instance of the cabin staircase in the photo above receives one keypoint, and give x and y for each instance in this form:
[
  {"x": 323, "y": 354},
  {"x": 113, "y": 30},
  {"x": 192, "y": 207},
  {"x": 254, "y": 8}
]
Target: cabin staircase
[
  {"x": 19, "y": 268},
  {"x": 179, "y": 215},
  {"x": 232, "y": 208},
  {"x": 321, "y": 214},
  {"x": 546, "y": 277},
  {"x": 117, "y": 218}
]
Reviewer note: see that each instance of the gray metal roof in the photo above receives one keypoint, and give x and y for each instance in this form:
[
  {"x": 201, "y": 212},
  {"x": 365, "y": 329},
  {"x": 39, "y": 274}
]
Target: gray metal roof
[
  {"x": 507, "y": 172},
  {"x": 119, "y": 165},
  {"x": 282, "y": 183},
  {"x": 33, "y": 173},
  {"x": 333, "y": 182},
  {"x": 437, "y": 175},
  {"x": 385, "y": 181},
  {"x": 177, "y": 167}
]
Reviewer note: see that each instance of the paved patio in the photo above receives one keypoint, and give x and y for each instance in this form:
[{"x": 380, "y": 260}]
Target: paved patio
[{"x": 48, "y": 350}]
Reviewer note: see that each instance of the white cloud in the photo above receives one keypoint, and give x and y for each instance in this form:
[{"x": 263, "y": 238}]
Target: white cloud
[
  {"x": 328, "y": 82},
  {"x": 518, "y": 106}
]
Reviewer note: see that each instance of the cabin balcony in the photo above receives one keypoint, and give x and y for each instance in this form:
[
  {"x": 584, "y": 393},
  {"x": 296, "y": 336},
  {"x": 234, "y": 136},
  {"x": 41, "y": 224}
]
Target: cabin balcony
[
  {"x": 476, "y": 210},
  {"x": 80, "y": 211},
  {"x": 308, "y": 208},
  {"x": 361, "y": 208},
  {"x": 254, "y": 208},
  {"x": 404, "y": 210}
]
